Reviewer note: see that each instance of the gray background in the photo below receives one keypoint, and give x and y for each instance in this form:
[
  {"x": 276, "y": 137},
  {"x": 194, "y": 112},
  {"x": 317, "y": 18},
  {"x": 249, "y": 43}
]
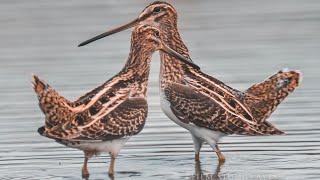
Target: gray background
[{"x": 239, "y": 42}]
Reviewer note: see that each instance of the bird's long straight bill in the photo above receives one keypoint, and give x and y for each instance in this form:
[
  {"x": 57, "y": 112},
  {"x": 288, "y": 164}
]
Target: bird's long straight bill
[
  {"x": 112, "y": 31},
  {"x": 181, "y": 58},
  {"x": 165, "y": 48}
]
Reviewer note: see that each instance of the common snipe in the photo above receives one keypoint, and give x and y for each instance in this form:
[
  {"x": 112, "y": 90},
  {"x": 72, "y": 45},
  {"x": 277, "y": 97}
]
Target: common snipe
[
  {"x": 105, "y": 118},
  {"x": 202, "y": 104}
]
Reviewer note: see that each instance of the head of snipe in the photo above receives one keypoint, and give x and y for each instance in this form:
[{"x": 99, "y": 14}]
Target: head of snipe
[
  {"x": 163, "y": 16},
  {"x": 145, "y": 40}
]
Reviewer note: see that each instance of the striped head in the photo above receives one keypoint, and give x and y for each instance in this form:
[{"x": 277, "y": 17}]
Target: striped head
[
  {"x": 161, "y": 15},
  {"x": 147, "y": 38},
  {"x": 150, "y": 39}
]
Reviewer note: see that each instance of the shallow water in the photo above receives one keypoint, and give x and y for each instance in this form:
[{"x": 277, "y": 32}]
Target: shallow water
[{"x": 239, "y": 42}]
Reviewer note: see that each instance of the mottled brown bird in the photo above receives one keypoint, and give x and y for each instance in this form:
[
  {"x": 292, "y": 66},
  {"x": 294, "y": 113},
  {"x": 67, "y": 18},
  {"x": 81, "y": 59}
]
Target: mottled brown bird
[
  {"x": 202, "y": 104},
  {"x": 105, "y": 118}
]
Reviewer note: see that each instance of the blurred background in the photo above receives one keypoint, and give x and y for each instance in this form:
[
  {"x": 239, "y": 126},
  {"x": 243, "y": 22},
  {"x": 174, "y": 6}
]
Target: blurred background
[{"x": 238, "y": 42}]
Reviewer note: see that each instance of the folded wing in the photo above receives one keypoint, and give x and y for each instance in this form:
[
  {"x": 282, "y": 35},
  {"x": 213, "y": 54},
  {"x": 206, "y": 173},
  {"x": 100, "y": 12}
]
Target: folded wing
[
  {"x": 69, "y": 120},
  {"x": 226, "y": 97},
  {"x": 190, "y": 106},
  {"x": 127, "y": 119}
]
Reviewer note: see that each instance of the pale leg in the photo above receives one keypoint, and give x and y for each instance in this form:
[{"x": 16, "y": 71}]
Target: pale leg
[
  {"x": 218, "y": 168},
  {"x": 85, "y": 172},
  {"x": 111, "y": 167},
  {"x": 221, "y": 157},
  {"x": 197, "y": 147},
  {"x": 216, "y": 149},
  {"x": 198, "y": 171}
]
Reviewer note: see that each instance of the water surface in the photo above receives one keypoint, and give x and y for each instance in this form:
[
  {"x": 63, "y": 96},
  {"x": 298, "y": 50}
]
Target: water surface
[{"x": 238, "y": 42}]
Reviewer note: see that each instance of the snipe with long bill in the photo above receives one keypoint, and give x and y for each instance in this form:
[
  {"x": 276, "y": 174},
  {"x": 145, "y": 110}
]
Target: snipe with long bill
[
  {"x": 105, "y": 118},
  {"x": 202, "y": 104}
]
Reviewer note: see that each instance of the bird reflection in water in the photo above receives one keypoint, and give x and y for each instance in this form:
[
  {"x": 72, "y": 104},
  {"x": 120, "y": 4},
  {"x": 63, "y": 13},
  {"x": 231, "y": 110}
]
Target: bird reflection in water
[{"x": 198, "y": 175}]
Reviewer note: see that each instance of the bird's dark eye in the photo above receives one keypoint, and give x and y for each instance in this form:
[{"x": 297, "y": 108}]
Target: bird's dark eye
[
  {"x": 157, "y": 34},
  {"x": 157, "y": 9}
]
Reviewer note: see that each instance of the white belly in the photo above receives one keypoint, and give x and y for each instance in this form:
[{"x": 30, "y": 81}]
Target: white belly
[
  {"x": 113, "y": 146},
  {"x": 204, "y": 134}
]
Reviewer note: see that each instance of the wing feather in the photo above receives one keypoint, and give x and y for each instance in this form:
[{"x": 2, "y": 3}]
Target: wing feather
[
  {"x": 193, "y": 107},
  {"x": 127, "y": 119},
  {"x": 228, "y": 97}
]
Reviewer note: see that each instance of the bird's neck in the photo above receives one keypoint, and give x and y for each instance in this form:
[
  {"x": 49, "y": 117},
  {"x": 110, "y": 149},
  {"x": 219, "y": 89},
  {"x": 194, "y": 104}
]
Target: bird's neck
[
  {"x": 137, "y": 68},
  {"x": 171, "y": 68}
]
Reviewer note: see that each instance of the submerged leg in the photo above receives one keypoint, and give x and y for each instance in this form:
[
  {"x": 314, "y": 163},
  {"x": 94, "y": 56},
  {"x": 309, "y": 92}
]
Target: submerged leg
[
  {"x": 221, "y": 157},
  {"x": 216, "y": 149},
  {"x": 85, "y": 172},
  {"x": 218, "y": 169},
  {"x": 111, "y": 167},
  {"x": 198, "y": 170},
  {"x": 197, "y": 146}
]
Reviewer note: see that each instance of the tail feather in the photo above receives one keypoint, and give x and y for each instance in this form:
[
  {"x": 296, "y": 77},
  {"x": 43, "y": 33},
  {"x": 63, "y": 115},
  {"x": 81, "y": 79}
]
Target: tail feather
[
  {"x": 51, "y": 103},
  {"x": 269, "y": 129},
  {"x": 263, "y": 98},
  {"x": 38, "y": 85},
  {"x": 263, "y": 129}
]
